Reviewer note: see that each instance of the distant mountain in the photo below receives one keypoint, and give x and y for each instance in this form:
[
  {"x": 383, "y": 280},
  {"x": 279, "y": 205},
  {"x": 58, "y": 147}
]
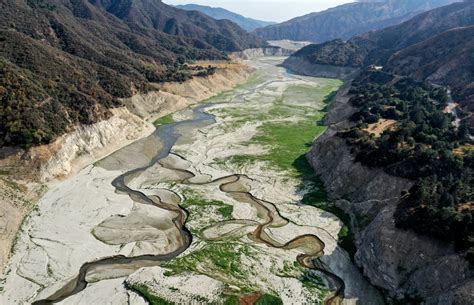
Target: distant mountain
[
  {"x": 218, "y": 13},
  {"x": 347, "y": 20},
  {"x": 66, "y": 62}
]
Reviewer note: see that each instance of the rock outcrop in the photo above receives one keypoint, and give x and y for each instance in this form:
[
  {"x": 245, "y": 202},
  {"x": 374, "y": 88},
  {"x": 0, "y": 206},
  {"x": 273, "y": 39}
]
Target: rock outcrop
[
  {"x": 259, "y": 52},
  {"x": 398, "y": 261},
  {"x": 88, "y": 143}
]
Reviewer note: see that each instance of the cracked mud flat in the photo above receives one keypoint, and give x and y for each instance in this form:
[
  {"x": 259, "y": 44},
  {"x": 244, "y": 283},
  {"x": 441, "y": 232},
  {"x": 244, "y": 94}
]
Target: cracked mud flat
[{"x": 203, "y": 211}]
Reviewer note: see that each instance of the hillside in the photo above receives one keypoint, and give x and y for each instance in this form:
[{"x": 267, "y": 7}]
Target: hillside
[
  {"x": 376, "y": 47},
  {"x": 447, "y": 58},
  {"x": 436, "y": 46},
  {"x": 218, "y": 13},
  {"x": 393, "y": 161},
  {"x": 65, "y": 62},
  {"x": 347, "y": 20},
  {"x": 401, "y": 125}
]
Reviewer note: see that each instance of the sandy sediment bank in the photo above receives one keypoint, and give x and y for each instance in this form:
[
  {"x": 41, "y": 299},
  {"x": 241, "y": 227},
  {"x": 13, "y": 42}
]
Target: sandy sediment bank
[
  {"x": 174, "y": 96},
  {"x": 87, "y": 144}
]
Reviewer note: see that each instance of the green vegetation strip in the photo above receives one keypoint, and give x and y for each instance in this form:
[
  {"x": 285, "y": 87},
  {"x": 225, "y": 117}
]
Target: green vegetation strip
[
  {"x": 268, "y": 299},
  {"x": 167, "y": 119},
  {"x": 317, "y": 197},
  {"x": 218, "y": 260},
  {"x": 288, "y": 141},
  {"x": 225, "y": 210},
  {"x": 289, "y": 126},
  {"x": 148, "y": 295}
]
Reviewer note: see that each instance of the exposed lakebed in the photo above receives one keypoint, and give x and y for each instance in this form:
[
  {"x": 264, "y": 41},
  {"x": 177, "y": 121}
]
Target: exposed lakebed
[{"x": 205, "y": 210}]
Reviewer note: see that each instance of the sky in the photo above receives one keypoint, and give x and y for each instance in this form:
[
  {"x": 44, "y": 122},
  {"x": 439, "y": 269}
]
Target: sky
[{"x": 268, "y": 10}]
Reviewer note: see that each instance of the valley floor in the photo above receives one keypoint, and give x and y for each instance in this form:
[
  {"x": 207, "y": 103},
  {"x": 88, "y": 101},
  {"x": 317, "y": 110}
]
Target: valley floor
[{"x": 205, "y": 210}]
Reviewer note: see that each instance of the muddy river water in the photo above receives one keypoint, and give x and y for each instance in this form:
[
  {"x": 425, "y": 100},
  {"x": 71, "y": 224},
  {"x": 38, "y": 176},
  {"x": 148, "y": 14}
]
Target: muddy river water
[{"x": 208, "y": 199}]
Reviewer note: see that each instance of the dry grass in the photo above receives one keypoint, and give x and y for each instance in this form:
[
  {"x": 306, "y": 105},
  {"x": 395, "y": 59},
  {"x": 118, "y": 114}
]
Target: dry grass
[
  {"x": 469, "y": 206},
  {"x": 463, "y": 150},
  {"x": 378, "y": 128}
]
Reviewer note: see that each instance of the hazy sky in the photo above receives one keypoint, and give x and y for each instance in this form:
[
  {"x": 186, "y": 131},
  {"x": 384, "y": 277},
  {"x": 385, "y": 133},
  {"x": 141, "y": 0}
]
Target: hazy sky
[{"x": 270, "y": 10}]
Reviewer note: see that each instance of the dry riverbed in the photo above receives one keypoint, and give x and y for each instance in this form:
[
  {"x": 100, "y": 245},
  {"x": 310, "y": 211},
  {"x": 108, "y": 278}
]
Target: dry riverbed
[{"x": 235, "y": 181}]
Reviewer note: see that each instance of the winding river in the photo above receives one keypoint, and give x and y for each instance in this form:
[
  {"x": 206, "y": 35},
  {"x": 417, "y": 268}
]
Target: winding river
[{"x": 238, "y": 186}]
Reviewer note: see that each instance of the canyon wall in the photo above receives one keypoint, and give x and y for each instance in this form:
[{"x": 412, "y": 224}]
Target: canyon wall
[
  {"x": 398, "y": 261},
  {"x": 88, "y": 143}
]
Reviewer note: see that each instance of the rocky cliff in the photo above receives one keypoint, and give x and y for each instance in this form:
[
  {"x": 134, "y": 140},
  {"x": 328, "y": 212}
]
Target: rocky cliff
[
  {"x": 259, "y": 52},
  {"x": 408, "y": 266}
]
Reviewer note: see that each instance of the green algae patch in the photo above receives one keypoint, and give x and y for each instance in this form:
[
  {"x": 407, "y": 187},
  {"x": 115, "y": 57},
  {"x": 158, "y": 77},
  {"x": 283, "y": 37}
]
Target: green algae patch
[
  {"x": 311, "y": 95},
  {"x": 224, "y": 209},
  {"x": 285, "y": 141},
  {"x": 315, "y": 284},
  {"x": 148, "y": 295},
  {"x": 288, "y": 141},
  {"x": 203, "y": 212},
  {"x": 269, "y": 299},
  {"x": 221, "y": 260},
  {"x": 288, "y": 124},
  {"x": 167, "y": 119},
  {"x": 231, "y": 300}
]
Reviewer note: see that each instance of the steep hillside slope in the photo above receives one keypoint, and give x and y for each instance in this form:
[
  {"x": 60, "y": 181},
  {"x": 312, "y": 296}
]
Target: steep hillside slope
[
  {"x": 447, "y": 58},
  {"x": 423, "y": 47},
  {"x": 204, "y": 30},
  {"x": 218, "y": 13},
  {"x": 388, "y": 159},
  {"x": 347, "y": 20},
  {"x": 65, "y": 62},
  {"x": 377, "y": 46}
]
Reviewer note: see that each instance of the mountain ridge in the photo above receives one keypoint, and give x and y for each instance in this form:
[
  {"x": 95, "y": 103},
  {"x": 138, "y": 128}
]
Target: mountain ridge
[
  {"x": 65, "y": 62},
  {"x": 348, "y": 20},
  {"x": 219, "y": 13},
  {"x": 418, "y": 38}
]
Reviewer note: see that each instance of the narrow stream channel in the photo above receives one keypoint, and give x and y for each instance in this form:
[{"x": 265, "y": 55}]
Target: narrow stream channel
[{"x": 168, "y": 136}]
